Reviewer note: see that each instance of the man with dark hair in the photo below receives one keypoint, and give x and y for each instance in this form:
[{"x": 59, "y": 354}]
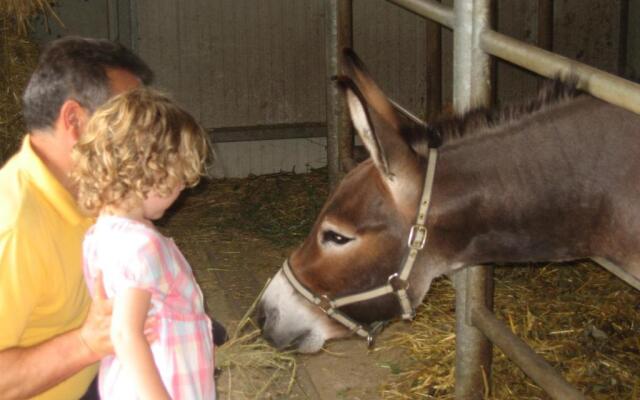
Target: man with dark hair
[{"x": 51, "y": 334}]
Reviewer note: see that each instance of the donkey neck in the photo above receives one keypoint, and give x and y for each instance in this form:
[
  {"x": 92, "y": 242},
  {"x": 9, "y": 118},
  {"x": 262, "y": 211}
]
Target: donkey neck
[{"x": 512, "y": 193}]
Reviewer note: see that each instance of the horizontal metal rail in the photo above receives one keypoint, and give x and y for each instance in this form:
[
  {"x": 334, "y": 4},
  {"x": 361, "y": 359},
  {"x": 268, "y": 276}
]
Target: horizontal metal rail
[
  {"x": 603, "y": 85},
  {"x": 617, "y": 271},
  {"x": 428, "y": 9},
  {"x": 520, "y": 353}
]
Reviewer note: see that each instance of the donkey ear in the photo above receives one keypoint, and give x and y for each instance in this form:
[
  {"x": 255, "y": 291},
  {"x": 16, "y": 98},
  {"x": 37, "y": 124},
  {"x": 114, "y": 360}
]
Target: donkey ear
[
  {"x": 376, "y": 121},
  {"x": 362, "y": 124}
]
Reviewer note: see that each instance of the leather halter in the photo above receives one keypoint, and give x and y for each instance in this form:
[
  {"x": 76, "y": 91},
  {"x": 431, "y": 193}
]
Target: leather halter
[{"x": 396, "y": 283}]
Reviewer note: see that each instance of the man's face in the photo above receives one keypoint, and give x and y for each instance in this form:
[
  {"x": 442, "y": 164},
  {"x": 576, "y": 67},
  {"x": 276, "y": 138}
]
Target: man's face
[{"x": 120, "y": 80}]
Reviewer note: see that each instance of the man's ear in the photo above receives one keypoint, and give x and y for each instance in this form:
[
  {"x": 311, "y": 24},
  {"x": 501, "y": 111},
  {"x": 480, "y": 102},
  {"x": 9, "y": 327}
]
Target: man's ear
[{"x": 72, "y": 119}]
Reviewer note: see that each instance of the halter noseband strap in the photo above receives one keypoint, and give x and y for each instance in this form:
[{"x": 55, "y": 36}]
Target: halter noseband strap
[{"x": 396, "y": 283}]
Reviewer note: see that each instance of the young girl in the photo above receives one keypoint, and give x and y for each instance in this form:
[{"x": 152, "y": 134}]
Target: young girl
[{"x": 138, "y": 153}]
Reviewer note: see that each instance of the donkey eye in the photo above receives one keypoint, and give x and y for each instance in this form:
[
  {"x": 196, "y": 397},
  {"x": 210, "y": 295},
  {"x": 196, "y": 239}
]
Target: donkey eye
[{"x": 334, "y": 237}]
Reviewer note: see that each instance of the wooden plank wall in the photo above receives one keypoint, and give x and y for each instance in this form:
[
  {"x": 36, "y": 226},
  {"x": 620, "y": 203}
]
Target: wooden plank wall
[{"x": 237, "y": 63}]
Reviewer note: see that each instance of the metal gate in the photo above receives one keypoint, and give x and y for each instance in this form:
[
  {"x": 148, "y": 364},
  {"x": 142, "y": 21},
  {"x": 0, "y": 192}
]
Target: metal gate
[{"x": 474, "y": 43}]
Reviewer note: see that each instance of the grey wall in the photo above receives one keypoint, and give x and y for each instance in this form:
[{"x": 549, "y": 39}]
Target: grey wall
[{"x": 93, "y": 18}]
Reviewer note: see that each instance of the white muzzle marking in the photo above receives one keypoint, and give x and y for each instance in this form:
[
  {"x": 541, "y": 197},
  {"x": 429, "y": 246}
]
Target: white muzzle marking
[{"x": 291, "y": 320}]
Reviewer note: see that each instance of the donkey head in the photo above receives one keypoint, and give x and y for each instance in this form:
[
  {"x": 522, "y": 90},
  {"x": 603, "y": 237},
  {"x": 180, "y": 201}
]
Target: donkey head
[{"x": 360, "y": 237}]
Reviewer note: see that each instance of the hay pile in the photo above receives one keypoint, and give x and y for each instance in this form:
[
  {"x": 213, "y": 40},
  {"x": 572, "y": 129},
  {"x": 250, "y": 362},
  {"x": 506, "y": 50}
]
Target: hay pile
[
  {"x": 280, "y": 208},
  {"x": 581, "y": 318},
  {"x": 19, "y": 56},
  {"x": 18, "y": 13},
  {"x": 250, "y": 367}
]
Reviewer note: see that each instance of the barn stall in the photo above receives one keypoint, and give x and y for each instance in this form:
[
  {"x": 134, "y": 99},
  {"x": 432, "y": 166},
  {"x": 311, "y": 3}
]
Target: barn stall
[{"x": 255, "y": 74}]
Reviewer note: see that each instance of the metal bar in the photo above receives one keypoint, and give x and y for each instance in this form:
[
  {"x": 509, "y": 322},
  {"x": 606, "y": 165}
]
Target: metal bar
[
  {"x": 339, "y": 136},
  {"x": 429, "y": 9},
  {"x": 471, "y": 87},
  {"x": 605, "y": 86},
  {"x": 462, "y": 61},
  {"x": 520, "y": 353},
  {"x": 481, "y": 61},
  {"x": 617, "y": 271},
  {"x": 473, "y": 349}
]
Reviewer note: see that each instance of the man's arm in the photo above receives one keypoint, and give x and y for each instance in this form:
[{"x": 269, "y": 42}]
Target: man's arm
[{"x": 27, "y": 371}]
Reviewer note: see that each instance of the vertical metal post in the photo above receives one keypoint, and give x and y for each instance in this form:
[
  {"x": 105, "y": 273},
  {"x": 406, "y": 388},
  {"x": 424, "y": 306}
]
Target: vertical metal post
[
  {"x": 434, "y": 69},
  {"x": 338, "y": 25},
  {"x": 471, "y": 87}
]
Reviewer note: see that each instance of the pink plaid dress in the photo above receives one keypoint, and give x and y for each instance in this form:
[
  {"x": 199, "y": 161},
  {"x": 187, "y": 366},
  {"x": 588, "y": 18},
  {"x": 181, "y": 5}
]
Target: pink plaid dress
[{"x": 131, "y": 254}]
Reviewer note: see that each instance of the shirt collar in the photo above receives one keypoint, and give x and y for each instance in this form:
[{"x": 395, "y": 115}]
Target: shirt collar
[{"x": 48, "y": 185}]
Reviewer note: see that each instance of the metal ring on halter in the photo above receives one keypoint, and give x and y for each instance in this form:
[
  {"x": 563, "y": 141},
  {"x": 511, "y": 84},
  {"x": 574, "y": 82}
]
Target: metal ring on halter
[
  {"x": 417, "y": 236},
  {"x": 324, "y": 302},
  {"x": 396, "y": 283}
]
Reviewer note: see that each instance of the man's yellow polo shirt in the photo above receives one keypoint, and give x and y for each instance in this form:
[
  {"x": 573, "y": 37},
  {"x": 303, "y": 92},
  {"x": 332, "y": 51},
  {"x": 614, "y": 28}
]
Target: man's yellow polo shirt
[{"x": 42, "y": 289}]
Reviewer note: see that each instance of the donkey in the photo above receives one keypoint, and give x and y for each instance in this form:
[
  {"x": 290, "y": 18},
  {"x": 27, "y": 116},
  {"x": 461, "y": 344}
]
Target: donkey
[{"x": 553, "y": 179}]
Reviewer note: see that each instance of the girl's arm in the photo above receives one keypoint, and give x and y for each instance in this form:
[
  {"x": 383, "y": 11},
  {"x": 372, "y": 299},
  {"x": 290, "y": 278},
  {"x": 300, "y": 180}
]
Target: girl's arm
[{"x": 127, "y": 334}]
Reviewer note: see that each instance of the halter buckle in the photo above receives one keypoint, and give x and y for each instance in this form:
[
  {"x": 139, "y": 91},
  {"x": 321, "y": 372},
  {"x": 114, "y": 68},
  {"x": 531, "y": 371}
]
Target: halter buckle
[
  {"x": 417, "y": 237},
  {"x": 374, "y": 329},
  {"x": 396, "y": 283},
  {"x": 324, "y": 302}
]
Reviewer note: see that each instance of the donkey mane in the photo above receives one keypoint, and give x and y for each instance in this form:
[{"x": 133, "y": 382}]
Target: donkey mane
[{"x": 480, "y": 120}]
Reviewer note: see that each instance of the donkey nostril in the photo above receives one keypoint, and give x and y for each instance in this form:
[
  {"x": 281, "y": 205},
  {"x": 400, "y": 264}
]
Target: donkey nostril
[
  {"x": 266, "y": 317},
  {"x": 295, "y": 343},
  {"x": 261, "y": 317}
]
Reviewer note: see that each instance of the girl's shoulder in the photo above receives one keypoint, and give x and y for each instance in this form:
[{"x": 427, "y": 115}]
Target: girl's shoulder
[{"x": 124, "y": 232}]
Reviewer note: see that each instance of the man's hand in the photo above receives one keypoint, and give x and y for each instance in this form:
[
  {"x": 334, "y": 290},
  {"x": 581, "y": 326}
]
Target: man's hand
[{"x": 95, "y": 332}]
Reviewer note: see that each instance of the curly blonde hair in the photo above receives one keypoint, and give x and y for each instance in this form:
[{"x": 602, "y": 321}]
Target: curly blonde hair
[{"x": 137, "y": 142}]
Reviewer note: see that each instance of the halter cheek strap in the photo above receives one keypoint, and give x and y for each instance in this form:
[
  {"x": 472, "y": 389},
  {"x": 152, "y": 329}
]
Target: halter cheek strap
[{"x": 397, "y": 283}]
